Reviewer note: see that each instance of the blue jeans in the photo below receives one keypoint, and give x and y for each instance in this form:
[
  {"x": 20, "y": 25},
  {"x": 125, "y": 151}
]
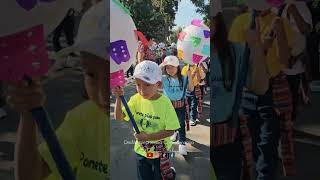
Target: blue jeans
[
  {"x": 193, "y": 105},
  {"x": 148, "y": 169},
  {"x": 265, "y": 131},
  {"x": 181, "y": 113}
]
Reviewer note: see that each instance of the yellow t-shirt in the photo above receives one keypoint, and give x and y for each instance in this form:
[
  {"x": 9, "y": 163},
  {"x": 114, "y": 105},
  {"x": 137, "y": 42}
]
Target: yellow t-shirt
[
  {"x": 84, "y": 137},
  {"x": 195, "y": 80},
  {"x": 152, "y": 116},
  {"x": 240, "y": 26}
]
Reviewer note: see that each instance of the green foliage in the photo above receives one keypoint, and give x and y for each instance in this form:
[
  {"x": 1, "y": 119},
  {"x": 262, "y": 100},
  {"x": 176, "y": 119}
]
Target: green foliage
[{"x": 155, "y": 17}]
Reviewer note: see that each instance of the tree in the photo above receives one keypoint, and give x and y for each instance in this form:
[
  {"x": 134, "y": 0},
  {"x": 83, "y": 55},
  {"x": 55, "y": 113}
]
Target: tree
[
  {"x": 203, "y": 7},
  {"x": 173, "y": 38},
  {"x": 154, "y": 17}
]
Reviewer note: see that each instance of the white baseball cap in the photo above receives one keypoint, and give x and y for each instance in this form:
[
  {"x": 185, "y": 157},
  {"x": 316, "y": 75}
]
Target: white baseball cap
[
  {"x": 170, "y": 60},
  {"x": 259, "y": 5},
  {"x": 148, "y": 71},
  {"x": 92, "y": 34}
]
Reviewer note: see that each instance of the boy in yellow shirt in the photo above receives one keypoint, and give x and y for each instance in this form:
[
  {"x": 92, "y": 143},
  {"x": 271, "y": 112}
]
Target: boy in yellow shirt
[{"x": 154, "y": 116}]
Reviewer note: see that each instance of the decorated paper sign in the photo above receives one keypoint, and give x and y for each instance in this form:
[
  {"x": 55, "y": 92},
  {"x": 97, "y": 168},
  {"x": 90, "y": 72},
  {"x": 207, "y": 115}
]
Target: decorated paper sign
[
  {"x": 23, "y": 54},
  {"x": 123, "y": 42},
  {"x": 194, "y": 43}
]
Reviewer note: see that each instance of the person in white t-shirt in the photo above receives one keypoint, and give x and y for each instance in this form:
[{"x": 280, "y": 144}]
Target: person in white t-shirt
[{"x": 300, "y": 19}]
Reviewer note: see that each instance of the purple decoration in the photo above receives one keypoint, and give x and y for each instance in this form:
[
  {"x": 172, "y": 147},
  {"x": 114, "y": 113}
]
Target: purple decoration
[
  {"x": 30, "y": 4},
  {"x": 206, "y": 33},
  {"x": 119, "y": 51}
]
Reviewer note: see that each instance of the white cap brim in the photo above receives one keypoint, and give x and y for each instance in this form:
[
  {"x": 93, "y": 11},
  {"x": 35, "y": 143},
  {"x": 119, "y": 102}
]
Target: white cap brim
[
  {"x": 145, "y": 78},
  {"x": 166, "y": 64}
]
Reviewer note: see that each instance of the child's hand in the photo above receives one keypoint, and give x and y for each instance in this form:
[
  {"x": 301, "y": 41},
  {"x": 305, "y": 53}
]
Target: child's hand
[
  {"x": 23, "y": 97},
  {"x": 117, "y": 91},
  {"x": 142, "y": 136}
]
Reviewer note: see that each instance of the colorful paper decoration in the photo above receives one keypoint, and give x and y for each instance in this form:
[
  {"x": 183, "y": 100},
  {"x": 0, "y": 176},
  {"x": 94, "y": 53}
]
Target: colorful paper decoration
[{"x": 123, "y": 38}]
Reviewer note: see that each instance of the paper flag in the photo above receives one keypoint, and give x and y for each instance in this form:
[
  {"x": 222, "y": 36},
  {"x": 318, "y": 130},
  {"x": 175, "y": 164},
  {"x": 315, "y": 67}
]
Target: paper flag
[
  {"x": 117, "y": 79},
  {"x": 196, "y": 58}
]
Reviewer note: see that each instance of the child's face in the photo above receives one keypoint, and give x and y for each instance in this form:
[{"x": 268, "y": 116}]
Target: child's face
[
  {"x": 95, "y": 74},
  {"x": 146, "y": 90},
  {"x": 171, "y": 70}
]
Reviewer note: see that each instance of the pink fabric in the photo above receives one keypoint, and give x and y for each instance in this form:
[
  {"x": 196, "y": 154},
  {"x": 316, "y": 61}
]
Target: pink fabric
[{"x": 23, "y": 53}]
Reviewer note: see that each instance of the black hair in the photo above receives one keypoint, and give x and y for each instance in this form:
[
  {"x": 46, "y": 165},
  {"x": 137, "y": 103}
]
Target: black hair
[
  {"x": 224, "y": 49},
  {"x": 174, "y": 52},
  {"x": 180, "y": 78}
]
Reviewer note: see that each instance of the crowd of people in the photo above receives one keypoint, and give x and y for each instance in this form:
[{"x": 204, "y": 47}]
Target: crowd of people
[
  {"x": 259, "y": 75},
  {"x": 157, "y": 69}
]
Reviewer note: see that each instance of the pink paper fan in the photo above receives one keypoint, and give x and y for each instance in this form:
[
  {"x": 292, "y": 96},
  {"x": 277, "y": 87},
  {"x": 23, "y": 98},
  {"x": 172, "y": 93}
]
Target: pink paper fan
[
  {"x": 23, "y": 53},
  {"x": 117, "y": 79}
]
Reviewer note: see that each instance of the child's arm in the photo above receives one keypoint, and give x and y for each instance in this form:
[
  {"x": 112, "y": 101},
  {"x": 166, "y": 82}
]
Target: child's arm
[
  {"x": 118, "y": 114},
  {"x": 190, "y": 84},
  {"x": 154, "y": 136},
  {"x": 23, "y": 97},
  {"x": 26, "y": 151},
  {"x": 282, "y": 40},
  {"x": 117, "y": 92}
]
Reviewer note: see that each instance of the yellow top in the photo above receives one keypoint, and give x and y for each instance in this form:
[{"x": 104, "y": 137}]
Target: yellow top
[
  {"x": 152, "y": 116},
  {"x": 84, "y": 137},
  {"x": 238, "y": 34},
  {"x": 194, "y": 68}
]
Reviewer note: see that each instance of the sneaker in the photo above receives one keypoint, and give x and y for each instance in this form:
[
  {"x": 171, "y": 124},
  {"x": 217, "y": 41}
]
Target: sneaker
[
  {"x": 173, "y": 173},
  {"x": 193, "y": 123},
  {"x": 197, "y": 120},
  {"x": 3, "y": 113},
  {"x": 183, "y": 149},
  {"x": 174, "y": 136}
]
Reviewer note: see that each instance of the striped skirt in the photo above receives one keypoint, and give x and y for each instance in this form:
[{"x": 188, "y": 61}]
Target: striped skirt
[
  {"x": 165, "y": 164},
  {"x": 180, "y": 104},
  {"x": 282, "y": 100},
  {"x": 197, "y": 91}
]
